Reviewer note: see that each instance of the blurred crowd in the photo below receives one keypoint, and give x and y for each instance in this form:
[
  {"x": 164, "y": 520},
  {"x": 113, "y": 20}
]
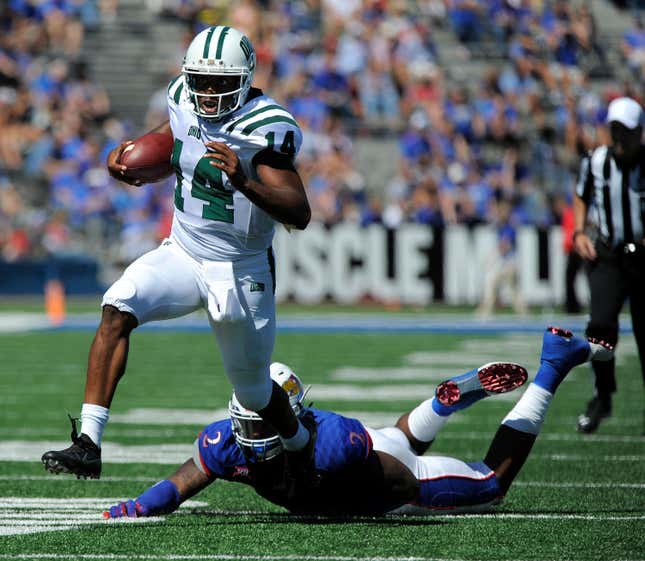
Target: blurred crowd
[
  {"x": 498, "y": 146},
  {"x": 56, "y": 128}
]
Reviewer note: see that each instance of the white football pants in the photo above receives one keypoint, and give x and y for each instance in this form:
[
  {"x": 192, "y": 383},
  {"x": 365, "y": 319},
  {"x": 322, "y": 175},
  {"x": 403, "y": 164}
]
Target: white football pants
[
  {"x": 238, "y": 297},
  {"x": 451, "y": 485}
]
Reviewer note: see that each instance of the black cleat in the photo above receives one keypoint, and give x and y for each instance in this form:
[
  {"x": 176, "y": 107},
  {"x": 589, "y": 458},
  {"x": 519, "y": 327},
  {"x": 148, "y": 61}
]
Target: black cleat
[
  {"x": 82, "y": 458},
  {"x": 597, "y": 410},
  {"x": 300, "y": 467}
]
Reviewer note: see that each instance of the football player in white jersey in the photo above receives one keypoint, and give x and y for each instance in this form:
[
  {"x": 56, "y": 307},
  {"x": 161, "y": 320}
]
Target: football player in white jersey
[{"x": 233, "y": 156}]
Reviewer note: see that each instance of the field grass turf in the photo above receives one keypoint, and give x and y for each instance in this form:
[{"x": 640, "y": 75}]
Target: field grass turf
[{"x": 578, "y": 497}]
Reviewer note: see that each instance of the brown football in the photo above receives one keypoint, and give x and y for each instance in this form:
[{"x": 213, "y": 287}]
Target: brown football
[{"x": 148, "y": 157}]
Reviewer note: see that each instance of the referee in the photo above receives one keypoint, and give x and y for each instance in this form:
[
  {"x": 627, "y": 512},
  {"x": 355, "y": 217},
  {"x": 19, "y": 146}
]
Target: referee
[{"x": 611, "y": 193}]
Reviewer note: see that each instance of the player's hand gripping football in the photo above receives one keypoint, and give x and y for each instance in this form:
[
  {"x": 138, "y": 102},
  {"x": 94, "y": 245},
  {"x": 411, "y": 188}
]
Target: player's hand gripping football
[
  {"x": 224, "y": 157},
  {"x": 118, "y": 170}
]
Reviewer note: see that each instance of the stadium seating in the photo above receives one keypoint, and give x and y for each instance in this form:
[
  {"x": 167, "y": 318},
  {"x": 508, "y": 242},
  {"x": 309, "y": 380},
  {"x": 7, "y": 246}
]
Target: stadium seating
[{"x": 474, "y": 107}]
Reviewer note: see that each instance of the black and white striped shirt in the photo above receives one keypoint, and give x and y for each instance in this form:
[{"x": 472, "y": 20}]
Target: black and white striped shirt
[{"x": 615, "y": 198}]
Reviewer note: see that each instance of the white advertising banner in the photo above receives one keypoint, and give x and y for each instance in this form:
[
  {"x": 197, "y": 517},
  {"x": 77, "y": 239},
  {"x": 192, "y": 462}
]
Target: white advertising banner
[{"x": 347, "y": 264}]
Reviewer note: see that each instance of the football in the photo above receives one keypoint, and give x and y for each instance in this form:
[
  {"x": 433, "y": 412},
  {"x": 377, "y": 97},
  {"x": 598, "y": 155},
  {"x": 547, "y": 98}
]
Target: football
[{"x": 148, "y": 157}]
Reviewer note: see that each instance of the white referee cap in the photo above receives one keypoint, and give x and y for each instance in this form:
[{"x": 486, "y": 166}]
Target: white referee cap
[{"x": 625, "y": 110}]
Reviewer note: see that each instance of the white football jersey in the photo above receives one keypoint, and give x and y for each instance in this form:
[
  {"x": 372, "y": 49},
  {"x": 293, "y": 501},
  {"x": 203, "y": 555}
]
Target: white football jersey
[{"x": 212, "y": 220}]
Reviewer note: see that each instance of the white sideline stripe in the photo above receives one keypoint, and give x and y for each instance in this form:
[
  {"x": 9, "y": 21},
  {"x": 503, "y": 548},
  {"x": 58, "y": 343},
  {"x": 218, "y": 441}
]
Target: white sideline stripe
[
  {"x": 349, "y": 392},
  {"x": 172, "y": 454},
  {"x": 51, "y": 477},
  {"x": 83, "y": 503},
  {"x": 594, "y": 457},
  {"x": 578, "y": 485},
  {"x": 444, "y": 514},
  {"x": 552, "y": 484},
  {"x": 53, "y": 517},
  {"x": 153, "y": 416},
  {"x": 592, "y": 517},
  {"x": 158, "y": 416},
  {"x": 27, "y": 522},
  {"x": 20, "y": 516},
  {"x": 29, "y": 451},
  {"x": 27, "y": 527},
  {"x": 373, "y": 419},
  {"x": 17, "y": 531},
  {"x": 115, "y": 432},
  {"x": 215, "y": 557},
  {"x": 520, "y": 348},
  {"x": 551, "y": 436},
  {"x": 222, "y": 557},
  {"x": 331, "y": 392},
  {"x": 355, "y": 374}
]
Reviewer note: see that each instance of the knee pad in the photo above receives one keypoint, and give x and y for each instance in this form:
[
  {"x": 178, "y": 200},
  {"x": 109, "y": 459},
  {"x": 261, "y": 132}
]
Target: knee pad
[
  {"x": 607, "y": 333},
  {"x": 123, "y": 296}
]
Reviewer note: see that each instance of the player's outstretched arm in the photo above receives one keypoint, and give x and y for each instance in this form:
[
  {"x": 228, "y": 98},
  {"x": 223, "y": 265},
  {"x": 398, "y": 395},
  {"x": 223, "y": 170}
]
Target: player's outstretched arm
[{"x": 163, "y": 497}]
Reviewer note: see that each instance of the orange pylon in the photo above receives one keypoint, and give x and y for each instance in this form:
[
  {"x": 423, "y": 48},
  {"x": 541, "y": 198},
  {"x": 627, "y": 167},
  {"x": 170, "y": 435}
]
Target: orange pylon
[{"x": 55, "y": 301}]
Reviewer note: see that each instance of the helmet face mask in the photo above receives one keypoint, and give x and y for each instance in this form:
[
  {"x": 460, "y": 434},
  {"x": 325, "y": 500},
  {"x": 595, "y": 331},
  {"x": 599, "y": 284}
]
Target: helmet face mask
[
  {"x": 257, "y": 439},
  {"x": 218, "y": 71},
  {"x": 214, "y": 95}
]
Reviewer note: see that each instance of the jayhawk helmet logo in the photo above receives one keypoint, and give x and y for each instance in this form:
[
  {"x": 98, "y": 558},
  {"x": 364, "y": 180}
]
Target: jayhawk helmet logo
[{"x": 287, "y": 379}]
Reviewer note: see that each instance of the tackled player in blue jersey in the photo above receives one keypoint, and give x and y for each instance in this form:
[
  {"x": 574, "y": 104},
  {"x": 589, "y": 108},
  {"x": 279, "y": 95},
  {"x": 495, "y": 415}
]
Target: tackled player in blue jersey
[{"x": 366, "y": 471}]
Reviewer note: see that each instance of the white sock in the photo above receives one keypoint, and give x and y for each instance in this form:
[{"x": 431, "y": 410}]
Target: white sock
[
  {"x": 298, "y": 441},
  {"x": 93, "y": 421},
  {"x": 424, "y": 422},
  {"x": 529, "y": 412}
]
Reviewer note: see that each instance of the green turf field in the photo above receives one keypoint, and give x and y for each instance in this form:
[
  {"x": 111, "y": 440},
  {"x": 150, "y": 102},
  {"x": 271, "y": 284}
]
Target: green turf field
[{"x": 578, "y": 498}]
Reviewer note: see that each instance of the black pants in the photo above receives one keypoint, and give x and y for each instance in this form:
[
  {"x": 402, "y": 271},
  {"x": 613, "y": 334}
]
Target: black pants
[
  {"x": 574, "y": 264},
  {"x": 613, "y": 277}
]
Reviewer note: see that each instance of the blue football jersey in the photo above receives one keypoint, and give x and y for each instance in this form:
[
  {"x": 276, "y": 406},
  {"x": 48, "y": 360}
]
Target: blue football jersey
[
  {"x": 343, "y": 446},
  {"x": 219, "y": 454},
  {"x": 342, "y": 442}
]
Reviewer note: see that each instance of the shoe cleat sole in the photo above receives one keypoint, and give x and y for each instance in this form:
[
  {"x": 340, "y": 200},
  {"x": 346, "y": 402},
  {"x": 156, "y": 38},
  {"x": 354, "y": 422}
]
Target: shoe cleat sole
[
  {"x": 57, "y": 468},
  {"x": 492, "y": 378}
]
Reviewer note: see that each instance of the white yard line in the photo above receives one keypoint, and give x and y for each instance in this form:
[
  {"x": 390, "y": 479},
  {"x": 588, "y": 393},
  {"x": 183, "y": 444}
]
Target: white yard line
[
  {"x": 33, "y": 515},
  {"x": 134, "y": 479},
  {"x": 225, "y": 557},
  {"x": 374, "y": 419},
  {"x": 173, "y": 454},
  {"x": 28, "y": 515},
  {"x": 578, "y": 485},
  {"x": 590, "y": 457},
  {"x": 222, "y": 557},
  {"x": 83, "y": 503},
  {"x": 104, "y": 479},
  {"x": 462, "y": 516}
]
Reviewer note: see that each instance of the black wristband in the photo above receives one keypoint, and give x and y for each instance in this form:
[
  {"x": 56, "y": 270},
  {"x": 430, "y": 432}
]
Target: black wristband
[{"x": 575, "y": 235}]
